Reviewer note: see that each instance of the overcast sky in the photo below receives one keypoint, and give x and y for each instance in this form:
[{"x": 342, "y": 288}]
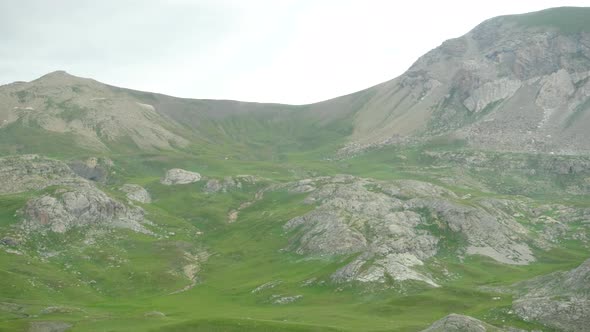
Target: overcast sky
[{"x": 297, "y": 52}]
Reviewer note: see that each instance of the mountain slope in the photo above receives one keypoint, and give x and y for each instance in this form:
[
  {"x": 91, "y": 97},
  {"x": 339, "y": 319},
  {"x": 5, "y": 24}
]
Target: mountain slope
[
  {"x": 515, "y": 83},
  {"x": 146, "y": 212},
  {"x": 100, "y": 118},
  {"x": 518, "y": 83}
]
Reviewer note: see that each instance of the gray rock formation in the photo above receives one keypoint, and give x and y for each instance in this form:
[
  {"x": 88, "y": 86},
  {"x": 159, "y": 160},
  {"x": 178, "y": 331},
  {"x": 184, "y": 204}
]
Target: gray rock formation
[
  {"x": 83, "y": 206},
  {"x": 396, "y": 226},
  {"x": 136, "y": 193},
  {"x": 560, "y": 300},
  {"x": 461, "y": 323},
  {"x": 493, "y": 234},
  {"x": 76, "y": 202},
  {"x": 179, "y": 176},
  {"x": 491, "y": 92},
  {"x": 33, "y": 172},
  {"x": 531, "y": 164},
  {"x": 229, "y": 183}
]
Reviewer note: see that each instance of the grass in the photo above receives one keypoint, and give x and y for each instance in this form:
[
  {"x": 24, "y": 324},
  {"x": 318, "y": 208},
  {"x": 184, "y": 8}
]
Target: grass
[
  {"x": 18, "y": 138},
  {"x": 116, "y": 281},
  {"x": 244, "y": 256}
]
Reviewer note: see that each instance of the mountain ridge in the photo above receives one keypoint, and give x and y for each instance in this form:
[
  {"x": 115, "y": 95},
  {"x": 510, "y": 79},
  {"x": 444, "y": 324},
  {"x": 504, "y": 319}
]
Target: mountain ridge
[{"x": 487, "y": 88}]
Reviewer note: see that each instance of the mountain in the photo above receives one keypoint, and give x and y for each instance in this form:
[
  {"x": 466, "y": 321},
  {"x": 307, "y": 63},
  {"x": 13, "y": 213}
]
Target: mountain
[
  {"x": 103, "y": 118},
  {"x": 514, "y": 83},
  {"x": 454, "y": 197}
]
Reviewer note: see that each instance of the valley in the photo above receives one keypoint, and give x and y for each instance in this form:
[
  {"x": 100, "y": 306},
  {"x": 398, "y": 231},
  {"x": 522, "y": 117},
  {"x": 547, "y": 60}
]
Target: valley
[{"x": 461, "y": 187}]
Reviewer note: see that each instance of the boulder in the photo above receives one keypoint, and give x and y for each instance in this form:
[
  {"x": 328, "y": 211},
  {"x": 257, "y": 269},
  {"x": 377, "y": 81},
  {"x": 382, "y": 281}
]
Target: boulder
[
  {"x": 136, "y": 193},
  {"x": 179, "y": 176}
]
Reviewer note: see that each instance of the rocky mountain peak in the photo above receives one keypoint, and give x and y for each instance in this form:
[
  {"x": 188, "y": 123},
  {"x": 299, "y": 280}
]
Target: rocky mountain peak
[
  {"x": 518, "y": 83},
  {"x": 60, "y": 78}
]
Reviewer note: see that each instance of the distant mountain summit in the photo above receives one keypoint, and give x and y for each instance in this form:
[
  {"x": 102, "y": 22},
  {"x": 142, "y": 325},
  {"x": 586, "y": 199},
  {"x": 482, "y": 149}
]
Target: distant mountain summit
[{"x": 513, "y": 83}]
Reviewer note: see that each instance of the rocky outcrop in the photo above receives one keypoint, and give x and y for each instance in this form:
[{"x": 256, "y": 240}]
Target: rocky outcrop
[
  {"x": 396, "y": 226},
  {"x": 49, "y": 326},
  {"x": 530, "y": 164},
  {"x": 491, "y": 92},
  {"x": 280, "y": 299},
  {"x": 76, "y": 202},
  {"x": 461, "y": 323},
  {"x": 33, "y": 172},
  {"x": 555, "y": 90},
  {"x": 560, "y": 300},
  {"x": 229, "y": 183},
  {"x": 66, "y": 209},
  {"x": 568, "y": 314},
  {"x": 179, "y": 176},
  {"x": 493, "y": 234},
  {"x": 136, "y": 193}
]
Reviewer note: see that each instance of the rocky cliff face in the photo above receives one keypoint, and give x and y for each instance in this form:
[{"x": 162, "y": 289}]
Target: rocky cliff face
[{"x": 517, "y": 83}]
